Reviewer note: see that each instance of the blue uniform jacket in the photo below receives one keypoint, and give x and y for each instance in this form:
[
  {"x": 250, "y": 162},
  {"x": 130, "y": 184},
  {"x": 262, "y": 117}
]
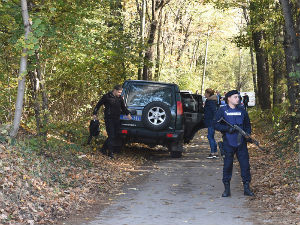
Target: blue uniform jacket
[
  {"x": 237, "y": 116},
  {"x": 210, "y": 109}
]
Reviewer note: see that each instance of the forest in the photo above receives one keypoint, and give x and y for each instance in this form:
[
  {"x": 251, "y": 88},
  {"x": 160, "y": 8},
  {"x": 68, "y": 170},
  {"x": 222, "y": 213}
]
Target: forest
[
  {"x": 76, "y": 51},
  {"x": 59, "y": 56}
]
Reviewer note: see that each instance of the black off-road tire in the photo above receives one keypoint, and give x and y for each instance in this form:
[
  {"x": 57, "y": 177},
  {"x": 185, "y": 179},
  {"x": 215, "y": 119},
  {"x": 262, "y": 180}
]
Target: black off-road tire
[
  {"x": 176, "y": 154},
  {"x": 156, "y": 116}
]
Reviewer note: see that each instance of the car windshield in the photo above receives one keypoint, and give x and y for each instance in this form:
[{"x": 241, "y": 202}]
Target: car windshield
[{"x": 142, "y": 94}]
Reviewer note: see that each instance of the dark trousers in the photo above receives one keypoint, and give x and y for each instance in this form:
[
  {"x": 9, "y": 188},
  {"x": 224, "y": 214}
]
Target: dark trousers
[
  {"x": 113, "y": 139},
  {"x": 243, "y": 157}
]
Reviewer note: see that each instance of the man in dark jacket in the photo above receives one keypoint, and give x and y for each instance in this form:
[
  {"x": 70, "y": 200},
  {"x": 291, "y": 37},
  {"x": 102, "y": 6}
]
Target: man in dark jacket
[
  {"x": 114, "y": 105},
  {"x": 246, "y": 101},
  {"x": 233, "y": 142}
]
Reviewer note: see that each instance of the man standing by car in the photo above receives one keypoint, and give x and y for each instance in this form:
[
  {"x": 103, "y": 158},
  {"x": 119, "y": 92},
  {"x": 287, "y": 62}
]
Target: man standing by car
[
  {"x": 246, "y": 101},
  {"x": 210, "y": 109},
  {"x": 114, "y": 105},
  {"x": 233, "y": 142}
]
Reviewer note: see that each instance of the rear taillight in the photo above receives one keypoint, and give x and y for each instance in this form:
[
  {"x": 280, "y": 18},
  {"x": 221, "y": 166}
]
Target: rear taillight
[
  {"x": 179, "y": 108},
  {"x": 169, "y": 135},
  {"x": 124, "y": 131}
]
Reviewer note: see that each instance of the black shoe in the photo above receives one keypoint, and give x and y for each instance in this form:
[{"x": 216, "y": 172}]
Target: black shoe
[
  {"x": 215, "y": 156},
  {"x": 210, "y": 156},
  {"x": 89, "y": 140},
  {"x": 103, "y": 151},
  {"x": 226, "y": 192},
  {"x": 247, "y": 191},
  {"x": 111, "y": 155}
]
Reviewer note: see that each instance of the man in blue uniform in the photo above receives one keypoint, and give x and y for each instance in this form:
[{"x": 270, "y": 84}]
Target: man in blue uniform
[{"x": 233, "y": 142}]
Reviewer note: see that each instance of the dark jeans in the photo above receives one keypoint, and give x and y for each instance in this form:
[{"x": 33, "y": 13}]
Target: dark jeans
[
  {"x": 211, "y": 140},
  {"x": 113, "y": 140},
  {"x": 243, "y": 157}
]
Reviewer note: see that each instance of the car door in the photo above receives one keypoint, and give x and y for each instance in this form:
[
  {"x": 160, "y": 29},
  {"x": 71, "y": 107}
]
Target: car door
[{"x": 193, "y": 114}]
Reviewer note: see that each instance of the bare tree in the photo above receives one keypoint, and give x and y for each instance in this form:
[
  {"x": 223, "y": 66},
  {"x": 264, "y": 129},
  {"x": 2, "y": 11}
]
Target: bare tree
[
  {"x": 292, "y": 51},
  {"x": 142, "y": 13},
  {"x": 157, "y": 63},
  {"x": 22, "y": 72},
  {"x": 148, "y": 59}
]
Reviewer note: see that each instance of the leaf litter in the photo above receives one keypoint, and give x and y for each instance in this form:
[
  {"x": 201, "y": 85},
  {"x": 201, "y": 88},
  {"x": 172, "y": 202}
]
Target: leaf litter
[{"x": 42, "y": 188}]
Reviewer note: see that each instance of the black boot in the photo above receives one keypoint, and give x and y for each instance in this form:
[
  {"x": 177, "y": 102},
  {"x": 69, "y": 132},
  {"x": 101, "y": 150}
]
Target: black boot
[
  {"x": 103, "y": 151},
  {"x": 226, "y": 193},
  {"x": 247, "y": 190},
  {"x": 89, "y": 140},
  {"x": 111, "y": 154}
]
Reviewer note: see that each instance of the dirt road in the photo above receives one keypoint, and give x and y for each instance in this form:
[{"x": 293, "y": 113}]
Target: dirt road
[{"x": 178, "y": 191}]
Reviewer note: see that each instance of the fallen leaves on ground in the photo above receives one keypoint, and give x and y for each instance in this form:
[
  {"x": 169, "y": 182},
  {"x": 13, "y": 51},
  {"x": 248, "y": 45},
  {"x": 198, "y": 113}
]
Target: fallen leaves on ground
[
  {"x": 275, "y": 181},
  {"x": 39, "y": 189}
]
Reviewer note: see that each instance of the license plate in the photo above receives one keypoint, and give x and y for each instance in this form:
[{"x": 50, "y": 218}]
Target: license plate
[{"x": 135, "y": 118}]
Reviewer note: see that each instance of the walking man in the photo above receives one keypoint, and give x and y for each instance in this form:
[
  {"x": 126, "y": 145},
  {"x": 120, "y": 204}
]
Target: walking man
[
  {"x": 114, "y": 105},
  {"x": 233, "y": 142}
]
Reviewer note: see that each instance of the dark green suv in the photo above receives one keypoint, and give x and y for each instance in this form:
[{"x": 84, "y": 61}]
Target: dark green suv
[{"x": 161, "y": 115}]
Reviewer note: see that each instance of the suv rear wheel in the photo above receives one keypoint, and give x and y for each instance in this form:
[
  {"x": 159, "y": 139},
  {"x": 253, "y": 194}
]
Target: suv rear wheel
[
  {"x": 176, "y": 154},
  {"x": 176, "y": 149},
  {"x": 156, "y": 115}
]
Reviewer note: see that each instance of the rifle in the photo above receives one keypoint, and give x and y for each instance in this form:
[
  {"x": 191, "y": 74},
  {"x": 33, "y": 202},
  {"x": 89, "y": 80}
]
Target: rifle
[{"x": 242, "y": 132}]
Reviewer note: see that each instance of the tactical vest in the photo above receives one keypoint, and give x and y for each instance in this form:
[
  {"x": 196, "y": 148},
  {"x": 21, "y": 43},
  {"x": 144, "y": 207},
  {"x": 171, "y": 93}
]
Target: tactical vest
[{"x": 235, "y": 117}]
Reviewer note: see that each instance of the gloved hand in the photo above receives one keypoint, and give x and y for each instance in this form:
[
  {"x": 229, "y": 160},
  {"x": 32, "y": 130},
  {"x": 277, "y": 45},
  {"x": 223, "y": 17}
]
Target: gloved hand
[{"x": 231, "y": 130}]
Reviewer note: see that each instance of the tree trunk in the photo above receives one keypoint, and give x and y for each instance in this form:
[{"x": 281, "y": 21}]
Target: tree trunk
[
  {"x": 292, "y": 41},
  {"x": 253, "y": 71},
  {"x": 277, "y": 65},
  {"x": 22, "y": 73},
  {"x": 34, "y": 95},
  {"x": 186, "y": 37},
  {"x": 158, "y": 63},
  {"x": 291, "y": 81},
  {"x": 42, "y": 90},
  {"x": 148, "y": 59},
  {"x": 142, "y": 13},
  {"x": 239, "y": 73},
  {"x": 205, "y": 63},
  {"x": 195, "y": 50},
  {"x": 263, "y": 80},
  {"x": 292, "y": 57}
]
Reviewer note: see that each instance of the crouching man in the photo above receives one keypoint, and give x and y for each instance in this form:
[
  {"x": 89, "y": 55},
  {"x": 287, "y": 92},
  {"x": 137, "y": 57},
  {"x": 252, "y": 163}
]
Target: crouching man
[{"x": 114, "y": 105}]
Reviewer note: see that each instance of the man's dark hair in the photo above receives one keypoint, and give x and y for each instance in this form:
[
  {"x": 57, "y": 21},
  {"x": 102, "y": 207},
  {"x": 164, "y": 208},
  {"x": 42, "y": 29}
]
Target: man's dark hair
[{"x": 118, "y": 87}]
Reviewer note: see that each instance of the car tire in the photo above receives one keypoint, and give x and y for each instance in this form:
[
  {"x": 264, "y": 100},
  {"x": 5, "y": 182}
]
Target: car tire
[
  {"x": 175, "y": 149},
  {"x": 176, "y": 154},
  {"x": 156, "y": 115}
]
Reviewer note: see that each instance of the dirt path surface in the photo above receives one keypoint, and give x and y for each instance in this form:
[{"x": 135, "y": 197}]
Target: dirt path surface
[{"x": 178, "y": 191}]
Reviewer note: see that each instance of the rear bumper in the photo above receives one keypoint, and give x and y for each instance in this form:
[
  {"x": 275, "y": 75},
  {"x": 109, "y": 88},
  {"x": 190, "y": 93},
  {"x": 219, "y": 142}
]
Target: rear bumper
[{"x": 141, "y": 135}]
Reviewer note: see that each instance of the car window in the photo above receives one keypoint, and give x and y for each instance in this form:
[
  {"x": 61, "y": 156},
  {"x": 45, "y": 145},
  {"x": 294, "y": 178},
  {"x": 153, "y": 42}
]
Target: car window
[{"x": 142, "y": 94}]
